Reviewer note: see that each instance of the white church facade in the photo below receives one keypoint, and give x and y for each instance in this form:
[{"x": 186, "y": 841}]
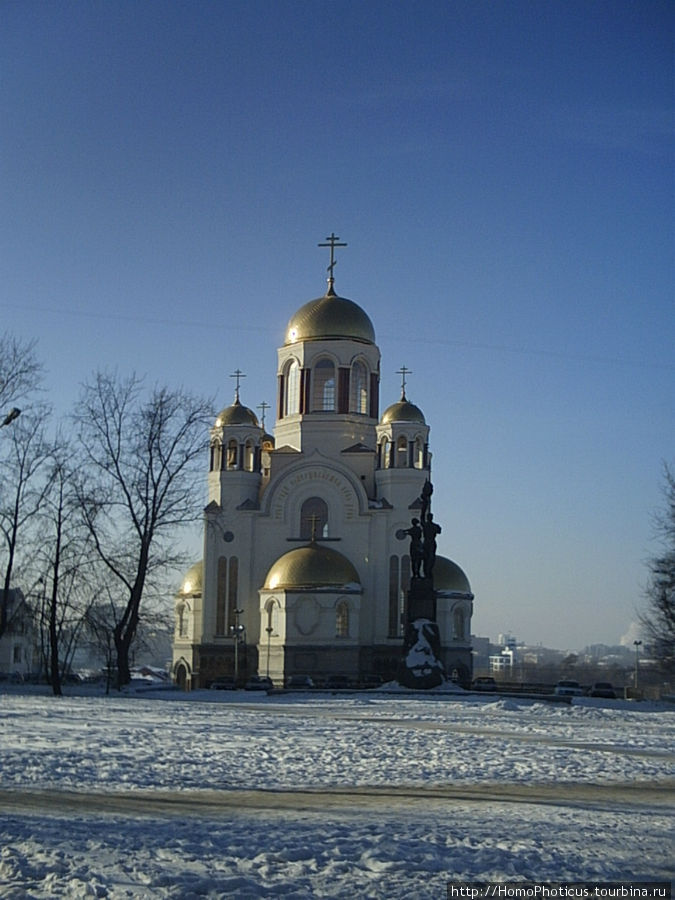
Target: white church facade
[{"x": 304, "y": 568}]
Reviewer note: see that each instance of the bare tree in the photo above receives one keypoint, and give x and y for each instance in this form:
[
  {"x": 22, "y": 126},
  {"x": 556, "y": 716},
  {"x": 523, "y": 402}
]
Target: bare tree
[
  {"x": 24, "y": 483},
  {"x": 65, "y": 557},
  {"x": 20, "y": 371},
  {"x": 658, "y": 619},
  {"x": 99, "y": 628},
  {"x": 141, "y": 451},
  {"x": 21, "y": 454}
]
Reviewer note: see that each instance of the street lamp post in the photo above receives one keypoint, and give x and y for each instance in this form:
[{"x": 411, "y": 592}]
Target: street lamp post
[
  {"x": 235, "y": 630},
  {"x": 637, "y": 645}
]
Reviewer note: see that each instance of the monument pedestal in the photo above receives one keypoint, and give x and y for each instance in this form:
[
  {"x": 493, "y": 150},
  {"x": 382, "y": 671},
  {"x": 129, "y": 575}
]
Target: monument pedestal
[
  {"x": 421, "y": 600},
  {"x": 421, "y": 667}
]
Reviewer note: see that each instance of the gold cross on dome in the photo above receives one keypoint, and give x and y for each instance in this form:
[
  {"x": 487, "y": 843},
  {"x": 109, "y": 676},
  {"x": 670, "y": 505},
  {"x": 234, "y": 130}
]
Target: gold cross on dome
[
  {"x": 333, "y": 241},
  {"x": 238, "y": 374},
  {"x": 263, "y": 407},
  {"x": 314, "y": 522},
  {"x": 403, "y": 371}
]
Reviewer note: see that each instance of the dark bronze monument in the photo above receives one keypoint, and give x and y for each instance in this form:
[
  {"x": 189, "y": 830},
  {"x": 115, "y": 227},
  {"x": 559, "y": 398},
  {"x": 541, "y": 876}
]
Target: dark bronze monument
[{"x": 421, "y": 666}]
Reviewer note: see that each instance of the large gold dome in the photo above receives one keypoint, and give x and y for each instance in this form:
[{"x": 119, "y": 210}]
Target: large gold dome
[
  {"x": 311, "y": 566},
  {"x": 449, "y": 577},
  {"x": 330, "y": 318}
]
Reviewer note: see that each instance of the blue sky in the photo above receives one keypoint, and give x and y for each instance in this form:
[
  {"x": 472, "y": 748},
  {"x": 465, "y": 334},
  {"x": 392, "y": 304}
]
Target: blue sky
[{"x": 502, "y": 173}]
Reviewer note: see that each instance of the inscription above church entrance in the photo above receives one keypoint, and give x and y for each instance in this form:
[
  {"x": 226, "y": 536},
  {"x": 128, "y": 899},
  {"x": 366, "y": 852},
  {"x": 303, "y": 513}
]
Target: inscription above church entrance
[{"x": 317, "y": 477}]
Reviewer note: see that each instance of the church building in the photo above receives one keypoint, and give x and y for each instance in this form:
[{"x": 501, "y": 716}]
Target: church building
[{"x": 306, "y": 566}]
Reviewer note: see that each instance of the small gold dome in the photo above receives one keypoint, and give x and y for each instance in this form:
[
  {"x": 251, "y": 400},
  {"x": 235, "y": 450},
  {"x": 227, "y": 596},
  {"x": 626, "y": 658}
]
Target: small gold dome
[
  {"x": 403, "y": 411},
  {"x": 330, "y": 318},
  {"x": 237, "y": 414},
  {"x": 192, "y": 580},
  {"x": 313, "y": 565},
  {"x": 449, "y": 577}
]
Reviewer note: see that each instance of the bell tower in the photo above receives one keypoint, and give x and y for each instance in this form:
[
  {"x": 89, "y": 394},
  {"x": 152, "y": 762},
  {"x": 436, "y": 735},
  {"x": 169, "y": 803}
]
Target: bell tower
[
  {"x": 328, "y": 374},
  {"x": 235, "y": 454},
  {"x": 403, "y": 457}
]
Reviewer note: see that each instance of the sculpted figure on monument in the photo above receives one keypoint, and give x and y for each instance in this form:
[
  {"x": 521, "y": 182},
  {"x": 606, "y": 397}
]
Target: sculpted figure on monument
[
  {"x": 416, "y": 551},
  {"x": 427, "y": 491},
  {"x": 430, "y": 530},
  {"x": 423, "y": 533}
]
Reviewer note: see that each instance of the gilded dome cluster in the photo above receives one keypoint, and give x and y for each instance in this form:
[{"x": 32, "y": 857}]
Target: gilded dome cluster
[
  {"x": 449, "y": 577},
  {"x": 192, "y": 580},
  {"x": 402, "y": 411},
  {"x": 330, "y": 318},
  {"x": 311, "y": 566},
  {"x": 237, "y": 414}
]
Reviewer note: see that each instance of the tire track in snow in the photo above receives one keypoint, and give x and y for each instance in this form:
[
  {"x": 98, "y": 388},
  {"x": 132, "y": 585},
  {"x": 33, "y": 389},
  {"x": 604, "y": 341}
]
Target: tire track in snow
[{"x": 210, "y": 804}]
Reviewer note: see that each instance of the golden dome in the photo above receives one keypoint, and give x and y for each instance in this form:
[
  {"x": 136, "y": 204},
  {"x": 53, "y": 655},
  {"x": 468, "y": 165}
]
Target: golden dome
[
  {"x": 192, "y": 580},
  {"x": 236, "y": 415},
  {"x": 330, "y": 318},
  {"x": 403, "y": 411},
  {"x": 312, "y": 565},
  {"x": 449, "y": 577}
]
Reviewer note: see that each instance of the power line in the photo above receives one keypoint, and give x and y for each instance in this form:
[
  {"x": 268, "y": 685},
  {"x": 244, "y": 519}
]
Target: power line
[{"x": 408, "y": 339}]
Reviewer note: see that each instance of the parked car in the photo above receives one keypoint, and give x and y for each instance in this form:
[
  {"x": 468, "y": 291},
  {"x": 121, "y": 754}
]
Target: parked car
[
  {"x": 603, "y": 689},
  {"x": 259, "y": 683},
  {"x": 226, "y": 683},
  {"x": 568, "y": 688},
  {"x": 371, "y": 681},
  {"x": 300, "y": 681},
  {"x": 337, "y": 682},
  {"x": 484, "y": 683}
]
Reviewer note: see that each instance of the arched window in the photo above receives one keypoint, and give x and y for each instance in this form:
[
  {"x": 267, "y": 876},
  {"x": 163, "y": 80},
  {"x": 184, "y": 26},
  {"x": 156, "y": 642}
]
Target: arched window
[
  {"x": 323, "y": 393},
  {"x": 215, "y": 456},
  {"x": 221, "y": 596},
  {"x": 271, "y": 624},
  {"x": 232, "y": 591},
  {"x": 181, "y": 622},
  {"x": 342, "y": 619},
  {"x": 385, "y": 454},
  {"x": 394, "y": 611},
  {"x": 419, "y": 453},
  {"x": 458, "y": 624},
  {"x": 232, "y": 451},
  {"x": 313, "y": 519},
  {"x": 292, "y": 395},
  {"x": 405, "y": 574},
  {"x": 401, "y": 453},
  {"x": 359, "y": 389},
  {"x": 249, "y": 456}
]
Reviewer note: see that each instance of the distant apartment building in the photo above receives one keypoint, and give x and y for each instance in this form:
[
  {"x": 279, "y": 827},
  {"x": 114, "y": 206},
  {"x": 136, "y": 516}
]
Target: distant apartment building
[{"x": 17, "y": 643}]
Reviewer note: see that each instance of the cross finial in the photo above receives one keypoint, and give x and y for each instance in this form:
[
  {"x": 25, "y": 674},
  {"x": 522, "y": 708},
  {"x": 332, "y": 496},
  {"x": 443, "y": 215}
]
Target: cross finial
[
  {"x": 238, "y": 374},
  {"x": 263, "y": 407},
  {"x": 403, "y": 371},
  {"x": 313, "y": 520},
  {"x": 332, "y": 241}
]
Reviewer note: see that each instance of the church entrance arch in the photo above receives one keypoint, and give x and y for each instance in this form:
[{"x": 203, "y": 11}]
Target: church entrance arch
[{"x": 182, "y": 676}]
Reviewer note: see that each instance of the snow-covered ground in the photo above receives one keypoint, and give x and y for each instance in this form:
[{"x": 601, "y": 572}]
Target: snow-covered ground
[{"x": 219, "y": 794}]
